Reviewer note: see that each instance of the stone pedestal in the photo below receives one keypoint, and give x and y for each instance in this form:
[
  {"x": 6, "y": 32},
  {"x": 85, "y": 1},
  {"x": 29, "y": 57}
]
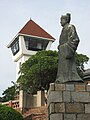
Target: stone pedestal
[{"x": 69, "y": 102}]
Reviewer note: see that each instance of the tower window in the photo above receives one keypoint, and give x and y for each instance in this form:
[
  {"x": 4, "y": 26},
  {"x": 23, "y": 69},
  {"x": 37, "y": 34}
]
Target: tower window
[
  {"x": 35, "y": 44},
  {"x": 15, "y": 47}
]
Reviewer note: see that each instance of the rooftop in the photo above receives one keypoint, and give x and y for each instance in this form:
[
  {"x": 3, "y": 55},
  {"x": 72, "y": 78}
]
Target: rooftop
[
  {"x": 34, "y": 30},
  {"x": 86, "y": 74},
  {"x": 31, "y": 28}
]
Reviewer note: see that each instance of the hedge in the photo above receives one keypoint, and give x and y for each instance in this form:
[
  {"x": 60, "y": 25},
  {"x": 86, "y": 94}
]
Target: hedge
[{"x": 8, "y": 113}]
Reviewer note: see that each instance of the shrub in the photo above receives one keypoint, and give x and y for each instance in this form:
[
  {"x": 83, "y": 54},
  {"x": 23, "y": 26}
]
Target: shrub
[{"x": 8, "y": 113}]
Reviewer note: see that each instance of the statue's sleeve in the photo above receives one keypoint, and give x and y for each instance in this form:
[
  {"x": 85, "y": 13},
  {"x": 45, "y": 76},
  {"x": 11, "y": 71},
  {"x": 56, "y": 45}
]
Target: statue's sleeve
[
  {"x": 68, "y": 48},
  {"x": 72, "y": 42},
  {"x": 73, "y": 39}
]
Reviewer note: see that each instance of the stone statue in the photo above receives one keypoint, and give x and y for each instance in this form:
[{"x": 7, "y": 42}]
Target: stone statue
[{"x": 68, "y": 43}]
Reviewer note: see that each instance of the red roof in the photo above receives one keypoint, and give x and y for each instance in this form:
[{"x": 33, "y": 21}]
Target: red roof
[{"x": 31, "y": 28}]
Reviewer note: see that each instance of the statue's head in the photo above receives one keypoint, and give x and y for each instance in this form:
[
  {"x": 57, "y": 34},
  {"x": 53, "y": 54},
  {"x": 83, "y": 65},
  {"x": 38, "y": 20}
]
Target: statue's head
[{"x": 65, "y": 19}]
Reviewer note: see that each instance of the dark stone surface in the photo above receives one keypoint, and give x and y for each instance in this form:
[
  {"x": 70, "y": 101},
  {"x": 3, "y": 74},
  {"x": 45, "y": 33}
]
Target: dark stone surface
[{"x": 68, "y": 43}]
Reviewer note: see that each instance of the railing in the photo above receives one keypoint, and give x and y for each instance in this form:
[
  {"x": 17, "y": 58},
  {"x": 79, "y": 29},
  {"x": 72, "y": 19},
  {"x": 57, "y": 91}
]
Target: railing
[
  {"x": 25, "y": 101},
  {"x": 13, "y": 103}
]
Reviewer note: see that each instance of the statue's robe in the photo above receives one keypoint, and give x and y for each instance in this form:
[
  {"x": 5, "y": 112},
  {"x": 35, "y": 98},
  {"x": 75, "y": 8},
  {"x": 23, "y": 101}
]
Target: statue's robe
[{"x": 68, "y": 43}]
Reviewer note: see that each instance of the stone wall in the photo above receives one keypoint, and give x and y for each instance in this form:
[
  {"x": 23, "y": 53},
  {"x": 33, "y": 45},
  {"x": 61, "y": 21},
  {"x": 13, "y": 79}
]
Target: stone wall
[
  {"x": 69, "y": 102},
  {"x": 39, "y": 113},
  {"x": 27, "y": 101}
]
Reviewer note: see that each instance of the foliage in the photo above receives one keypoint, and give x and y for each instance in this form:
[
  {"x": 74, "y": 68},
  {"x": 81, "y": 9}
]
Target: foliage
[
  {"x": 8, "y": 113},
  {"x": 1, "y": 100},
  {"x": 8, "y": 94},
  {"x": 41, "y": 69},
  {"x": 80, "y": 61}
]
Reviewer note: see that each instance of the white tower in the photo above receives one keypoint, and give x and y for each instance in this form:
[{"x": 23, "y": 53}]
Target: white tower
[{"x": 28, "y": 41}]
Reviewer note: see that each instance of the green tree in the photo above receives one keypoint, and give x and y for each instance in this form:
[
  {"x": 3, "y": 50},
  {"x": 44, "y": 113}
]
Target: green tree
[
  {"x": 8, "y": 113},
  {"x": 8, "y": 94},
  {"x": 41, "y": 69},
  {"x": 81, "y": 60}
]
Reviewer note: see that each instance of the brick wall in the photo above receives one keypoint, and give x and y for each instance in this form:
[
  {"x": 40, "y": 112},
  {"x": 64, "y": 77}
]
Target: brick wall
[
  {"x": 69, "y": 102},
  {"x": 39, "y": 113}
]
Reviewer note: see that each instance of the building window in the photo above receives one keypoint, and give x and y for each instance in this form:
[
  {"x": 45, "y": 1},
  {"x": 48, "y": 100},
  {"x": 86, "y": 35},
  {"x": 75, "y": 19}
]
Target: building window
[
  {"x": 15, "y": 47},
  {"x": 35, "y": 44}
]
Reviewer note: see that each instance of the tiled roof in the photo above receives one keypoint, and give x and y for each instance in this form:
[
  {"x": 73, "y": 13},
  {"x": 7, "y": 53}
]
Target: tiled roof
[
  {"x": 86, "y": 75},
  {"x": 31, "y": 28},
  {"x": 34, "y": 30}
]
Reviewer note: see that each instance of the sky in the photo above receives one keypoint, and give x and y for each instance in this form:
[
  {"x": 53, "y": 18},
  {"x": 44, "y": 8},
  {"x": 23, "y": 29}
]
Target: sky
[{"x": 14, "y": 14}]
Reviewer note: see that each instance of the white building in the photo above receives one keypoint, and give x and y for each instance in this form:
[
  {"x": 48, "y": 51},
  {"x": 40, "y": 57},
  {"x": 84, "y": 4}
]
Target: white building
[{"x": 30, "y": 39}]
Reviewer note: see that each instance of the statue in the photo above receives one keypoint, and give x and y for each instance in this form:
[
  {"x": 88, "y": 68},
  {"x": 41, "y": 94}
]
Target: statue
[{"x": 68, "y": 43}]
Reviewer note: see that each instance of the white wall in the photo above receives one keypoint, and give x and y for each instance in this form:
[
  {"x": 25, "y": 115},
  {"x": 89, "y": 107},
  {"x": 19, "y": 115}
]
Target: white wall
[{"x": 24, "y": 54}]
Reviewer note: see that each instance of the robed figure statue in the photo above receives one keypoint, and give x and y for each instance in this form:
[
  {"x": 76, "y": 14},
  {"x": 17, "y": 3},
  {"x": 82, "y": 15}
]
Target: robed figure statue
[{"x": 68, "y": 43}]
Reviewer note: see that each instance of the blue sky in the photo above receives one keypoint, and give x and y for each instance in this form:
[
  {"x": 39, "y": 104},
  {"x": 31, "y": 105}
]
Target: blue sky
[{"x": 15, "y": 13}]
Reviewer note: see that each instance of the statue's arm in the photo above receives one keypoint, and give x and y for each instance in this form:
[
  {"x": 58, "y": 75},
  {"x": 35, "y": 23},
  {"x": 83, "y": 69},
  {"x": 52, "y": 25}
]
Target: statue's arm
[
  {"x": 71, "y": 45},
  {"x": 73, "y": 39}
]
